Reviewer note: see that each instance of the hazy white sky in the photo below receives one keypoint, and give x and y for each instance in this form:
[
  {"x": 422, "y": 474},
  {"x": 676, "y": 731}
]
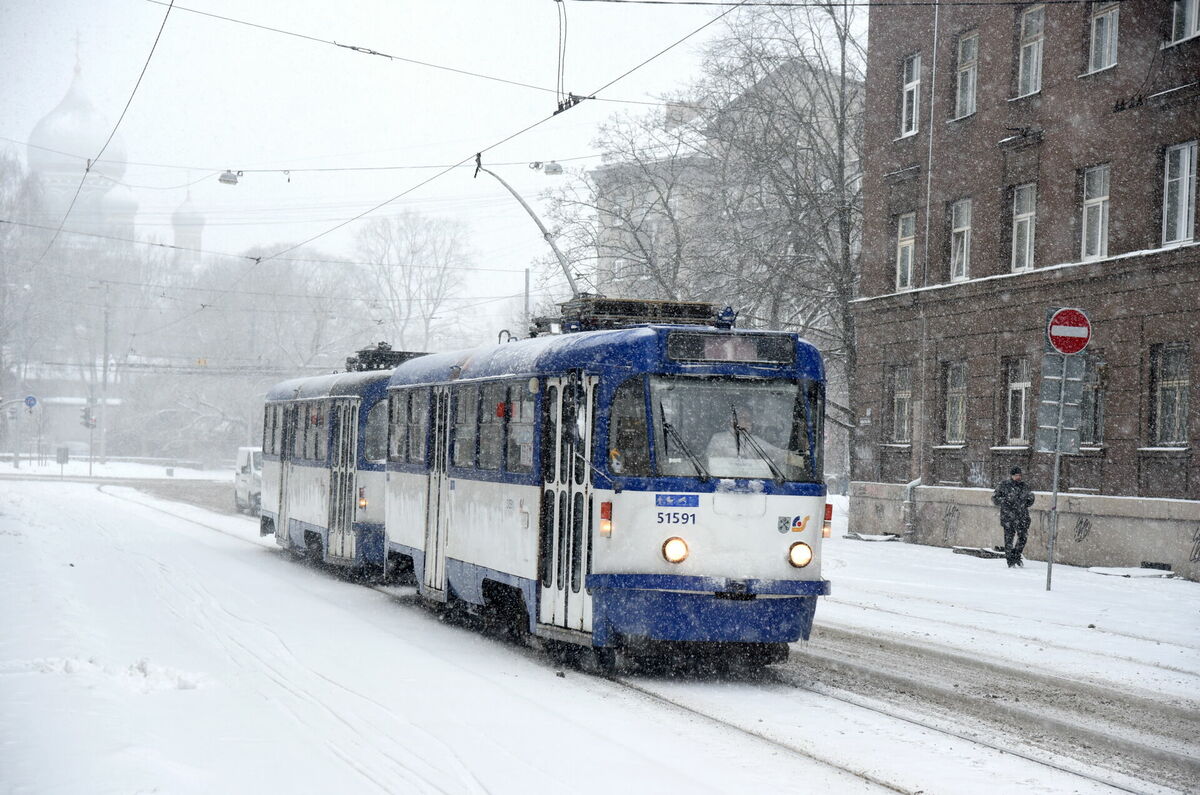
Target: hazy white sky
[{"x": 220, "y": 95}]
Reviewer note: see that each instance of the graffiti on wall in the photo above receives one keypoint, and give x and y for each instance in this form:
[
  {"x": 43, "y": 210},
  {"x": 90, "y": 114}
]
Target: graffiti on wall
[
  {"x": 1083, "y": 528},
  {"x": 950, "y": 523}
]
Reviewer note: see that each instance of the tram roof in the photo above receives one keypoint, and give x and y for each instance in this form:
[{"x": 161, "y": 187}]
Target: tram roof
[
  {"x": 332, "y": 385},
  {"x": 638, "y": 348}
]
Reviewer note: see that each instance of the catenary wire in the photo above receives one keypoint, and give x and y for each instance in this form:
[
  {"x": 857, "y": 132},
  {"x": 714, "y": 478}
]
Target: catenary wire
[
  {"x": 389, "y": 56},
  {"x": 128, "y": 102},
  {"x": 817, "y": 4}
]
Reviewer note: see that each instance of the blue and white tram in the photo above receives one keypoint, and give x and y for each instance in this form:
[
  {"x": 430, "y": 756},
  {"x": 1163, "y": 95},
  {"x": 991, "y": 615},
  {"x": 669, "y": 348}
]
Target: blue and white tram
[
  {"x": 324, "y": 453},
  {"x": 618, "y": 488}
]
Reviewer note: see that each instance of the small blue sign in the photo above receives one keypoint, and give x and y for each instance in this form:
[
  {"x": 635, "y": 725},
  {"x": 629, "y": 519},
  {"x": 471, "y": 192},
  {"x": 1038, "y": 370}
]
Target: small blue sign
[
  {"x": 677, "y": 500},
  {"x": 30, "y": 401}
]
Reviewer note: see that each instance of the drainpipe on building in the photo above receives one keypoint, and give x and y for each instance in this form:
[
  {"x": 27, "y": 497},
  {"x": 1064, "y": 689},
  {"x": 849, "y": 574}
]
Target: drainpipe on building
[{"x": 909, "y": 512}]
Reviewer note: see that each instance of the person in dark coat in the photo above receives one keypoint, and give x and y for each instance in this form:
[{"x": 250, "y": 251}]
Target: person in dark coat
[{"x": 1014, "y": 498}]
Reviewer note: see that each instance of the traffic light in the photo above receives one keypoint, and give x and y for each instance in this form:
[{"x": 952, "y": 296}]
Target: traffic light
[{"x": 86, "y": 418}]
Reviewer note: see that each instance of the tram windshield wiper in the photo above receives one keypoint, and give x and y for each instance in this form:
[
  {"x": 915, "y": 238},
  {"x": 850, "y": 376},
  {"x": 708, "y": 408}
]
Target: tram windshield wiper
[
  {"x": 673, "y": 432},
  {"x": 740, "y": 432}
]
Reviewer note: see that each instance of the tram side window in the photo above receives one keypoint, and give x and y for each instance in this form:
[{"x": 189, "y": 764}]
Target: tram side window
[
  {"x": 312, "y": 411},
  {"x": 375, "y": 445},
  {"x": 520, "y": 427},
  {"x": 466, "y": 419},
  {"x": 550, "y": 434},
  {"x": 321, "y": 431},
  {"x": 299, "y": 429},
  {"x": 418, "y": 413},
  {"x": 493, "y": 412},
  {"x": 268, "y": 415},
  {"x": 628, "y": 440},
  {"x": 397, "y": 419},
  {"x": 276, "y": 429}
]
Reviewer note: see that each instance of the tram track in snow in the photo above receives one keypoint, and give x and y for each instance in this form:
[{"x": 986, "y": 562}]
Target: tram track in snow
[
  {"x": 1107, "y": 655},
  {"x": 826, "y": 668},
  {"x": 981, "y": 611}
]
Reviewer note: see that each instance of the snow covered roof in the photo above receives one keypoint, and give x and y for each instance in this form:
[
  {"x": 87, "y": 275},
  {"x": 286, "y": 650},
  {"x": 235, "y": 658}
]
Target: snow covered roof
[
  {"x": 358, "y": 383},
  {"x": 638, "y": 347}
]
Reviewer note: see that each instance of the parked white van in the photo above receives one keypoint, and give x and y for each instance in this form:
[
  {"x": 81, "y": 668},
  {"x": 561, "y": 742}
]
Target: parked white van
[{"x": 247, "y": 479}]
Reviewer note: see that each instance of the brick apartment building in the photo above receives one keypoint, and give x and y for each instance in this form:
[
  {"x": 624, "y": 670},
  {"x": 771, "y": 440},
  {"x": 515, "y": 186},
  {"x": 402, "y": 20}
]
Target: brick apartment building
[{"x": 1020, "y": 157}]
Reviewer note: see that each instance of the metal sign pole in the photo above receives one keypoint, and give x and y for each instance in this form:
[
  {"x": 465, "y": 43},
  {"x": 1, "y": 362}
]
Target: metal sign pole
[{"x": 1062, "y": 387}]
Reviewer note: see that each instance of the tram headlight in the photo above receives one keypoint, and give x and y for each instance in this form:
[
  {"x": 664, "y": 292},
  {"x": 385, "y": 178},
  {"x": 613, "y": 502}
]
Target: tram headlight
[
  {"x": 675, "y": 549},
  {"x": 800, "y": 554}
]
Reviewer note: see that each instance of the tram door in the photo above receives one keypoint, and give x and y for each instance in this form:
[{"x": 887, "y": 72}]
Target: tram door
[
  {"x": 565, "y": 517},
  {"x": 342, "y": 461},
  {"x": 285, "y": 464},
  {"x": 437, "y": 512}
]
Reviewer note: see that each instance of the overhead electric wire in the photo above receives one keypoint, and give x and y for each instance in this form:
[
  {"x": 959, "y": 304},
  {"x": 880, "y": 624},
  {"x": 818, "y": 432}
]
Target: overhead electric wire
[
  {"x": 100, "y": 154},
  {"x": 834, "y": 3},
  {"x": 502, "y": 141},
  {"x": 391, "y": 57},
  {"x": 247, "y": 257}
]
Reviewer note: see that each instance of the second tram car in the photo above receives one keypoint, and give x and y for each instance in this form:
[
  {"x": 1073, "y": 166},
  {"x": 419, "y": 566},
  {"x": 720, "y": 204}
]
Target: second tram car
[
  {"x": 619, "y": 488},
  {"x": 324, "y": 454}
]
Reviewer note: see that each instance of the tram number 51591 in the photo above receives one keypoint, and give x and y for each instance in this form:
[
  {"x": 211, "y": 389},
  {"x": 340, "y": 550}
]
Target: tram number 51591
[{"x": 676, "y": 517}]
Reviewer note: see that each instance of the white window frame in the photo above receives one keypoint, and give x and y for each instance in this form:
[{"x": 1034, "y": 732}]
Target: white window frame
[
  {"x": 1024, "y": 225},
  {"x": 956, "y": 403},
  {"x": 1102, "y": 54},
  {"x": 1185, "y": 20},
  {"x": 902, "y": 404},
  {"x": 1029, "y": 69},
  {"x": 960, "y": 240},
  {"x": 1019, "y": 387},
  {"x": 906, "y": 249},
  {"x": 911, "y": 90},
  {"x": 1170, "y": 393},
  {"x": 968, "y": 71},
  {"x": 1095, "y": 213},
  {"x": 1179, "y": 224}
]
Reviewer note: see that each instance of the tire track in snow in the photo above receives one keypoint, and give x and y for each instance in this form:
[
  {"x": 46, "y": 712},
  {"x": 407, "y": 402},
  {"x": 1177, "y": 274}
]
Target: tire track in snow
[{"x": 284, "y": 681}]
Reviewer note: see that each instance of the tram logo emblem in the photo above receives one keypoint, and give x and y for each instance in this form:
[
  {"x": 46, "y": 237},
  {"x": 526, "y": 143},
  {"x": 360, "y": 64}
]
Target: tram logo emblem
[
  {"x": 677, "y": 500},
  {"x": 790, "y": 524}
]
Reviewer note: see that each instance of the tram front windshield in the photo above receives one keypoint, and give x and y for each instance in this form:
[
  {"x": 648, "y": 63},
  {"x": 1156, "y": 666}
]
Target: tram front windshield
[{"x": 737, "y": 428}]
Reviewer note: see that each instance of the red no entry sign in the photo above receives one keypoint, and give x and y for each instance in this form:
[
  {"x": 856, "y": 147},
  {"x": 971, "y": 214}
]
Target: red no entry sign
[{"x": 1069, "y": 331}]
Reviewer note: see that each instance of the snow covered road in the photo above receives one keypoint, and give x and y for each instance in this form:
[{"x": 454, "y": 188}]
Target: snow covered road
[{"x": 141, "y": 651}]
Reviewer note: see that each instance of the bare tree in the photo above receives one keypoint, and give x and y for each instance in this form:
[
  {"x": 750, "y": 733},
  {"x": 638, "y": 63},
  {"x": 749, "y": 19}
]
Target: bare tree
[{"x": 412, "y": 268}]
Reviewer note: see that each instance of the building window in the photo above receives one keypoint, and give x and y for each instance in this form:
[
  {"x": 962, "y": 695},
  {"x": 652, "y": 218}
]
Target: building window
[
  {"x": 960, "y": 240},
  {"x": 1169, "y": 381},
  {"x": 1017, "y": 376},
  {"x": 911, "y": 95},
  {"x": 968, "y": 66},
  {"x": 1179, "y": 194},
  {"x": 1104, "y": 36},
  {"x": 1024, "y": 208},
  {"x": 906, "y": 244},
  {"x": 1095, "y": 212},
  {"x": 956, "y": 402},
  {"x": 901, "y": 389},
  {"x": 1184, "y": 19},
  {"x": 1029, "y": 69},
  {"x": 1091, "y": 406}
]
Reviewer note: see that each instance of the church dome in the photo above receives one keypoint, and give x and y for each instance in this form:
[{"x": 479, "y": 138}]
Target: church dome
[
  {"x": 74, "y": 127},
  {"x": 187, "y": 216}
]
